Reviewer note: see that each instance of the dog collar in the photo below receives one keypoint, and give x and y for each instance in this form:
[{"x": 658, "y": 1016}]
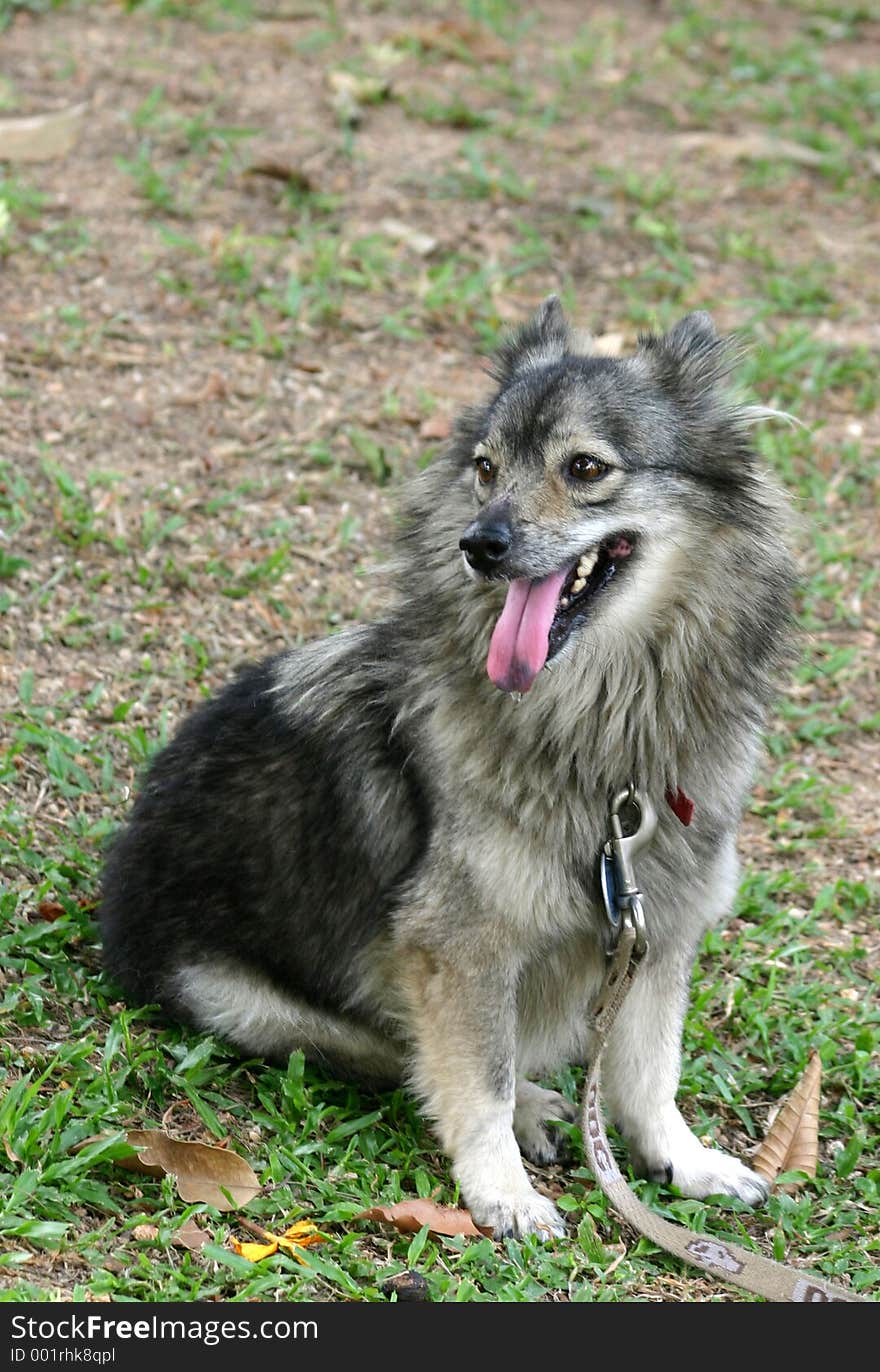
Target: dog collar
[{"x": 681, "y": 805}]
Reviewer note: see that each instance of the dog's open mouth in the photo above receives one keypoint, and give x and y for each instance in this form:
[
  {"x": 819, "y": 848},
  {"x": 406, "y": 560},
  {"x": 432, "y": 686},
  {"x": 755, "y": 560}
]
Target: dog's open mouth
[{"x": 538, "y": 616}]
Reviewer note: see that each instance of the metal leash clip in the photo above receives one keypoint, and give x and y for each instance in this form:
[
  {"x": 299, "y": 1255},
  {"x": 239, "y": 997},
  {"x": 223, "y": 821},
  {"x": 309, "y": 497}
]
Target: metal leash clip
[{"x": 620, "y": 891}]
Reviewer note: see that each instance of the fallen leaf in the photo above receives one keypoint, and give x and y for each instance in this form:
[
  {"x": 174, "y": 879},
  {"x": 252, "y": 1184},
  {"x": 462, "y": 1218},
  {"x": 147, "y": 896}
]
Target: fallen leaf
[
  {"x": 201, "y": 1172},
  {"x": 40, "y": 137},
  {"x": 792, "y": 1142},
  {"x": 302, "y": 1234},
  {"x": 50, "y": 910},
  {"x": 756, "y": 147},
  {"x": 190, "y": 1236},
  {"x": 145, "y": 1231},
  {"x": 409, "y": 1215},
  {"x": 254, "y": 1252}
]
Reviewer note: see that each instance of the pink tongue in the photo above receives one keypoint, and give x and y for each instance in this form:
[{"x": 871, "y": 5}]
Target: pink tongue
[{"x": 520, "y": 644}]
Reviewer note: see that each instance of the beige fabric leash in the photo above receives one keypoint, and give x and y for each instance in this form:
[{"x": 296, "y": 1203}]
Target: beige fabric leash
[{"x": 725, "y": 1261}]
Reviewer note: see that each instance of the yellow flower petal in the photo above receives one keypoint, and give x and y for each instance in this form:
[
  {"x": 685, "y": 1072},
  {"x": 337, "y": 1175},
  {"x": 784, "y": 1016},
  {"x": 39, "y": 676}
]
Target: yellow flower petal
[
  {"x": 299, "y": 1235},
  {"x": 255, "y": 1251}
]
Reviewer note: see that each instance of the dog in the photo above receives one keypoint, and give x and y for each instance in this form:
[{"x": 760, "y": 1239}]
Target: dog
[{"x": 381, "y": 848}]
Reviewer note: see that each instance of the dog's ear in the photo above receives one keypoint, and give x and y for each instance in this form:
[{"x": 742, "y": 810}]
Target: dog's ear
[
  {"x": 545, "y": 338},
  {"x": 691, "y": 359},
  {"x": 692, "y": 333}
]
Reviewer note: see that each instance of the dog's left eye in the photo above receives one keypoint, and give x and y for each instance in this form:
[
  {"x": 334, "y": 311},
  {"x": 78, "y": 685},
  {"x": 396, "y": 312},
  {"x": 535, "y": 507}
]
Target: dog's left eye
[
  {"x": 485, "y": 471},
  {"x": 585, "y": 467}
]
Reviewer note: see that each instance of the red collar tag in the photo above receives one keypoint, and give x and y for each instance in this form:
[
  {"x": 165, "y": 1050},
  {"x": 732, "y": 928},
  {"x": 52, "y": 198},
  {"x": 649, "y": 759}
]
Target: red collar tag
[{"x": 681, "y": 805}]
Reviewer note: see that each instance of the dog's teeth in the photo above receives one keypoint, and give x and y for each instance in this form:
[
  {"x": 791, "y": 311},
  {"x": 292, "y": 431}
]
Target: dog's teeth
[
  {"x": 579, "y": 584},
  {"x": 564, "y": 602},
  {"x": 586, "y": 564}
]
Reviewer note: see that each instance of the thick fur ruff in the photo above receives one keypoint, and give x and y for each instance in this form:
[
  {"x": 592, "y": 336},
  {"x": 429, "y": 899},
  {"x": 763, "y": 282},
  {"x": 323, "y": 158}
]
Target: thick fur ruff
[{"x": 364, "y": 849}]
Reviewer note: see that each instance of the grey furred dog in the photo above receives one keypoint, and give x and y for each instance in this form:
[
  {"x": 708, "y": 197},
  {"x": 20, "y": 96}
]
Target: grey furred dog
[{"x": 382, "y": 848}]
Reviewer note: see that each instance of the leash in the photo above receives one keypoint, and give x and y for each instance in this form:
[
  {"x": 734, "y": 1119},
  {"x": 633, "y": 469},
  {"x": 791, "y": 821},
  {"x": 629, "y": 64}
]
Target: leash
[{"x": 627, "y": 939}]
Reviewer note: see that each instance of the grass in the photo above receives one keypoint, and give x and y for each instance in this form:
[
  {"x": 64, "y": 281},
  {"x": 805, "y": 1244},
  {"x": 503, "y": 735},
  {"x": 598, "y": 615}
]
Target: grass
[
  {"x": 85, "y": 1065},
  {"x": 143, "y": 556}
]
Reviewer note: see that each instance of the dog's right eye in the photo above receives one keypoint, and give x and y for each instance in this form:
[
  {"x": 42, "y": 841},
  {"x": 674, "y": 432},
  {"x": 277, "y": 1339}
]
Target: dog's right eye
[
  {"x": 485, "y": 471},
  {"x": 585, "y": 467}
]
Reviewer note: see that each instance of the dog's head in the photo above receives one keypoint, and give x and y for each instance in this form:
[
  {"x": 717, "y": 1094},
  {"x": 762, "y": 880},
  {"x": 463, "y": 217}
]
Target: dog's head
[{"x": 599, "y": 484}]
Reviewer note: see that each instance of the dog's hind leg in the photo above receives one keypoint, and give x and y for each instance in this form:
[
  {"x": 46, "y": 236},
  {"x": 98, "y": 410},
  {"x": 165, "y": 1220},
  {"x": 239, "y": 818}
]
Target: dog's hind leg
[
  {"x": 535, "y": 1109},
  {"x": 241, "y": 1006}
]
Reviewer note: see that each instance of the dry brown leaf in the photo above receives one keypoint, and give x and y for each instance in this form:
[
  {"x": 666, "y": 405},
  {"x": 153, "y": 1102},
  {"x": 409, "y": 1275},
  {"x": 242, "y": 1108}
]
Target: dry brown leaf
[
  {"x": 50, "y": 910},
  {"x": 792, "y": 1142},
  {"x": 754, "y": 147},
  {"x": 201, "y": 1172},
  {"x": 409, "y": 1215},
  {"x": 190, "y": 1236},
  {"x": 40, "y": 137}
]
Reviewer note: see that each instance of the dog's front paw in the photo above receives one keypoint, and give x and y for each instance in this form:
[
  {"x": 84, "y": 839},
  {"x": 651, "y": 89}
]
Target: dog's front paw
[
  {"x": 534, "y": 1107},
  {"x": 528, "y": 1213},
  {"x": 706, "y": 1172}
]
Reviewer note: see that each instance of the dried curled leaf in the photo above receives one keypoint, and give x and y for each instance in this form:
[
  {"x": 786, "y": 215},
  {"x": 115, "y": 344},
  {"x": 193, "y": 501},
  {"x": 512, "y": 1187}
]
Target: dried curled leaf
[
  {"x": 792, "y": 1142},
  {"x": 302, "y": 1234},
  {"x": 409, "y": 1215},
  {"x": 201, "y": 1173}
]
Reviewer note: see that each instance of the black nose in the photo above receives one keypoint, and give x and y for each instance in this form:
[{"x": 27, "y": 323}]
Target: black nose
[{"x": 485, "y": 545}]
